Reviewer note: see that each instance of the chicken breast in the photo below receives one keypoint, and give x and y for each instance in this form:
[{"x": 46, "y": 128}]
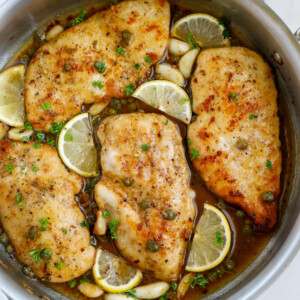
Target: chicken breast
[
  {"x": 235, "y": 139},
  {"x": 39, "y": 213},
  {"x": 145, "y": 181},
  {"x": 54, "y": 94}
]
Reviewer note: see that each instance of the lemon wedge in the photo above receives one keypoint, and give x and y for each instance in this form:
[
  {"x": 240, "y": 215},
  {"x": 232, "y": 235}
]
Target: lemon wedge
[
  {"x": 211, "y": 242},
  {"x": 166, "y": 96},
  {"x": 12, "y": 110},
  {"x": 113, "y": 274},
  {"x": 76, "y": 146},
  {"x": 202, "y": 29}
]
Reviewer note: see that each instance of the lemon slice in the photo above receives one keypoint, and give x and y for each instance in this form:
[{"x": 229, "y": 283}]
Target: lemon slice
[
  {"x": 166, "y": 96},
  {"x": 12, "y": 110},
  {"x": 113, "y": 274},
  {"x": 205, "y": 30},
  {"x": 211, "y": 242},
  {"x": 76, "y": 147}
]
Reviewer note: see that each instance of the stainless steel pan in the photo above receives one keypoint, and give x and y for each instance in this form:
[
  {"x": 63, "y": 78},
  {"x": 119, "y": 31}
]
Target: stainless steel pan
[{"x": 259, "y": 28}]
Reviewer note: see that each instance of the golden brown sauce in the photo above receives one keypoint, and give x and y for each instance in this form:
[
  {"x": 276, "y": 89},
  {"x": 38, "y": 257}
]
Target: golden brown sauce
[{"x": 245, "y": 246}]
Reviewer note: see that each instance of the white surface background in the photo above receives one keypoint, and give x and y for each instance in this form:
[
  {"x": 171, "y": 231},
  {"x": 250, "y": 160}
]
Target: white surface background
[{"x": 287, "y": 285}]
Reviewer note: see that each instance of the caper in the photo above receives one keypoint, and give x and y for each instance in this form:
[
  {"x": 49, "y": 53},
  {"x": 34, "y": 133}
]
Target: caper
[
  {"x": 9, "y": 249},
  {"x": 31, "y": 51},
  {"x": 241, "y": 144},
  {"x": 267, "y": 197},
  {"x": 144, "y": 204},
  {"x": 112, "y": 112},
  {"x": 169, "y": 214},
  {"x": 153, "y": 246},
  {"x": 28, "y": 272},
  {"x": 67, "y": 67},
  {"x": 194, "y": 118},
  {"x": 127, "y": 182},
  {"x": 39, "y": 36},
  {"x": 46, "y": 254},
  {"x": 93, "y": 206},
  {"x": 115, "y": 103},
  {"x": 247, "y": 229},
  {"x": 212, "y": 276},
  {"x": 240, "y": 213},
  {"x": 141, "y": 111},
  {"x": 124, "y": 101},
  {"x": 130, "y": 100},
  {"x": 221, "y": 204},
  {"x": 126, "y": 38},
  {"x": 33, "y": 232},
  {"x": 230, "y": 264},
  {"x": 132, "y": 107},
  {"x": 220, "y": 270},
  {"x": 100, "y": 66},
  {"x": 4, "y": 239},
  {"x": 91, "y": 219}
]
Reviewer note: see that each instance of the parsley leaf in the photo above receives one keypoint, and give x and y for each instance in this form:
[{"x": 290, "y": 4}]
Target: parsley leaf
[
  {"x": 233, "y": 96},
  {"x": 269, "y": 164},
  {"x": 129, "y": 89},
  {"x": 219, "y": 239},
  {"x": 36, "y": 254},
  {"x": 84, "y": 224},
  {"x": 10, "y": 167},
  {"x": 112, "y": 227},
  {"x": 130, "y": 293},
  {"x": 25, "y": 139},
  {"x": 225, "y": 23},
  {"x": 57, "y": 127},
  {"x": 148, "y": 59},
  {"x": 167, "y": 122},
  {"x": 137, "y": 66},
  {"x": 79, "y": 18},
  {"x": 18, "y": 198},
  {"x": 153, "y": 105},
  {"x": 251, "y": 117},
  {"x": 59, "y": 265},
  {"x": 194, "y": 153},
  {"x": 189, "y": 37},
  {"x": 40, "y": 136},
  {"x": 120, "y": 50},
  {"x": 69, "y": 137},
  {"x": 84, "y": 279},
  {"x": 72, "y": 283},
  {"x": 64, "y": 230},
  {"x": 46, "y": 106},
  {"x": 105, "y": 213},
  {"x": 27, "y": 125},
  {"x": 198, "y": 280},
  {"x": 34, "y": 168},
  {"x": 44, "y": 223},
  {"x": 184, "y": 101},
  {"x": 100, "y": 66},
  {"x": 98, "y": 84},
  {"x": 145, "y": 147},
  {"x": 174, "y": 286},
  {"x": 188, "y": 141},
  {"x": 165, "y": 296},
  {"x": 50, "y": 141}
]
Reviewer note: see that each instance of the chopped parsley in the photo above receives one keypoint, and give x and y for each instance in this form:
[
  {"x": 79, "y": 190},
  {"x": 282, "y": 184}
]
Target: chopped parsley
[
  {"x": 84, "y": 224},
  {"x": 72, "y": 283},
  {"x": 7, "y": 156},
  {"x": 219, "y": 239},
  {"x": 225, "y": 23},
  {"x": 34, "y": 168},
  {"x": 148, "y": 59},
  {"x": 120, "y": 50},
  {"x": 100, "y": 66},
  {"x": 184, "y": 101},
  {"x": 129, "y": 89},
  {"x": 190, "y": 39},
  {"x": 36, "y": 254},
  {"x": 40, "y": 136},
  {"x": 165, "y": 296},
  {"x": 137, "y": 66},
  {"x": 153, "y": 105},
  {"x": 44, "y": 223},
  {"x": 98, "y": 84},
  {"x": 84, "y": 279},
  {"x": 79, "y": 18},
  {"x": 59, "y": 265},
  {"x": 188, "y": 141},
  {"x": 69, "y": 137},
  {"x": 18, "y": 198},
  {"x": 145, "y": 147},
  {"x": 233, "y": 96},
  {"x": 25, "y": 139},
  {"x": 57, "y": 127},
  {"x": 174, "y": 286},
  {"x": 36, "y": 145},
  {"x": 269, "y": 164},
  {"x": 10, "y": 167},
  {"x": 105, "y": 213},
  {"x": 112, "y": 227},
  {"x": 50, "y": 141},
  {"x": 14, "y": 144},
  {"x": 130, "y": 293},
  {"x": 194, "y": 153},
  {"x": 64, "y": 230},
  {"x": 251, "y": 117},
  {"x": 198, "y": 280},
  {"x": 90, "y": 185},
  {"x": 167, "y": 122},
  {"x": 27, "y": 125},
  {"x": 46, "y": 106}
]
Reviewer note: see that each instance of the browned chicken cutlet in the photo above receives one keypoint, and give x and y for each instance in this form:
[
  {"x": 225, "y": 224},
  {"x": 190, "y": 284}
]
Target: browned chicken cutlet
[
  {"x": 145, "y": 187},
  {"x": 39, "y": 213},
  {"x": 62, "y": 75},
  {"x": 235, "y": 142}
]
